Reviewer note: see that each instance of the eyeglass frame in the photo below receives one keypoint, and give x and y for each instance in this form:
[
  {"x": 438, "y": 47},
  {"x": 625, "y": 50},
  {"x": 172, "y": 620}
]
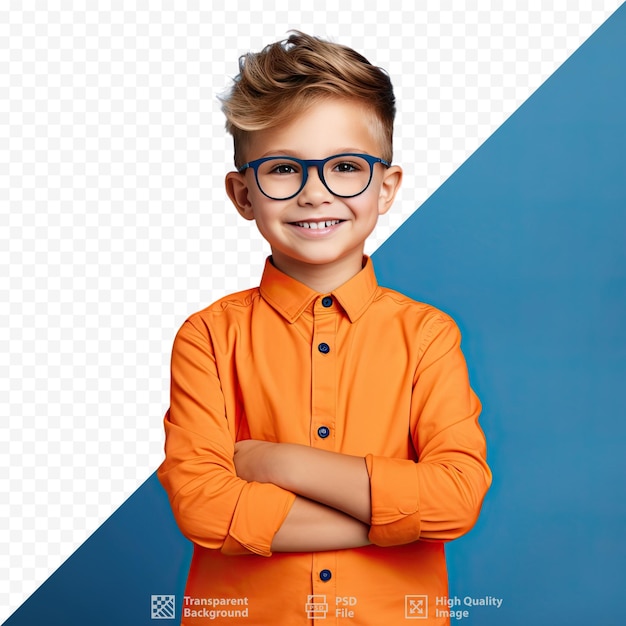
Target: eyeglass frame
[{"x": 319, "y": 165}]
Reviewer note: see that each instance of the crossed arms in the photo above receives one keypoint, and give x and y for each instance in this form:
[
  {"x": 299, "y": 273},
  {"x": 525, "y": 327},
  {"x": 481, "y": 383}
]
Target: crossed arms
[
  {"x": 333, "y": 508},
  {"x": 259, "y": 497}
]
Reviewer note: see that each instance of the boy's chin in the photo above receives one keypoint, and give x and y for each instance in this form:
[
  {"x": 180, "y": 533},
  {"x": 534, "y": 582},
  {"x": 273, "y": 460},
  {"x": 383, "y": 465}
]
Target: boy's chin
[{"x": 320, "y": 261}]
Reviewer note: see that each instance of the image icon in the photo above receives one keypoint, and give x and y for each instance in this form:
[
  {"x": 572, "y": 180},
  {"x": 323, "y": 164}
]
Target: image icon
[{"x": 416, "y": 607}]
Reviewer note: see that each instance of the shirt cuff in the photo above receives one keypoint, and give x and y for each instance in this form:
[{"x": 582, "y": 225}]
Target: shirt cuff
[
  {"x": 261, "y": 511},
  {"x": 394, "y": 492}
]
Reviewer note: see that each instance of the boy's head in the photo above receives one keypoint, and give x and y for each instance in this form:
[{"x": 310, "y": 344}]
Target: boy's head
[
  {"x": 312, "y": 123},
  {"x": 287, "y": 77}
]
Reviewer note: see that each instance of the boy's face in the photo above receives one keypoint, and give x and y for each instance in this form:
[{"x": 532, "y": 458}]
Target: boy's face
[{"x": 335, "y": 251}]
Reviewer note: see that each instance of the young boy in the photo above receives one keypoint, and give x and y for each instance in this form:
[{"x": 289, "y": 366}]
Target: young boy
[{"x": 322, "y": 440}]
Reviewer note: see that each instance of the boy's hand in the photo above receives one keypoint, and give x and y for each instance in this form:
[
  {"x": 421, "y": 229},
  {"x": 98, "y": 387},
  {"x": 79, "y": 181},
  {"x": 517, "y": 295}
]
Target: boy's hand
[{"x": 253, "y": 460}]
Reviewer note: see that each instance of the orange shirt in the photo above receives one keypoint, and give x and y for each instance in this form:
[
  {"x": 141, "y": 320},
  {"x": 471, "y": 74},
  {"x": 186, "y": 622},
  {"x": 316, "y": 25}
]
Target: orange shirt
[{"x": 363, "y": 371}]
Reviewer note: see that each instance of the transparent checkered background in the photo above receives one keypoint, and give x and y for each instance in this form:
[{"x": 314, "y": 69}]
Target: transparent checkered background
[{"x": 114, "y": 225}]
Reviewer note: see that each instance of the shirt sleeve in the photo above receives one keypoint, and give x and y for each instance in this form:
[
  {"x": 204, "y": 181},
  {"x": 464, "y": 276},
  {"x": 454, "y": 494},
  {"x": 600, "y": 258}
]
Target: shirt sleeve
[
  {"x": 438, "y": 497},
  {"x": 212, "y": 506}
]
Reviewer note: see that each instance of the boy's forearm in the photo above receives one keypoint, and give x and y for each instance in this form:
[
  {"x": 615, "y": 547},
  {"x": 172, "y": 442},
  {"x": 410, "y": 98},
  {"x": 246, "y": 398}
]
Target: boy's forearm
[
  {"x": 336, "y": 480},
  {"x": 313, "y": 527}
]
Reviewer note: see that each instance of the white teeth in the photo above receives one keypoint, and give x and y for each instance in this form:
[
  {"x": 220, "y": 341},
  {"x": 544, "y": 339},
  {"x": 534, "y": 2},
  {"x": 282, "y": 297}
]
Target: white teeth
[{"x": 316, "y": 225}]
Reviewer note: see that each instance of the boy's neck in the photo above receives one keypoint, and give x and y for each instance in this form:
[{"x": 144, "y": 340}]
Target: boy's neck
[{"x": 322, "y": 278}]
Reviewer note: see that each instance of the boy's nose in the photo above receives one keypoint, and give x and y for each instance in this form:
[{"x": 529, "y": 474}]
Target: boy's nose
[{"x": 314, "y": 191}]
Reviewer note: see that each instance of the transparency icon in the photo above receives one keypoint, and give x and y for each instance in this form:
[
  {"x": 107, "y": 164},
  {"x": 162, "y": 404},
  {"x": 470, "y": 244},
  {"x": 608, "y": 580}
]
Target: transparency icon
[{"x": 163, "y": 607}]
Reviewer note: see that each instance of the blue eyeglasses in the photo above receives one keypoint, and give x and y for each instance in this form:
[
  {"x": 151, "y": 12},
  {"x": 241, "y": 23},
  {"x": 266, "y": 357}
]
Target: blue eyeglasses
[{"x": 344, "y": 175}]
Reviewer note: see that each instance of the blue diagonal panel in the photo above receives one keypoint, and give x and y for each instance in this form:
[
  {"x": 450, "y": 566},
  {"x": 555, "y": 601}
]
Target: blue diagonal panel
[{"x": 525, "y": 245}]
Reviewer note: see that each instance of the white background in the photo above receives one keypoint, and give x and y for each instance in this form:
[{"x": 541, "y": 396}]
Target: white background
[{"x": 114, "y": 225}]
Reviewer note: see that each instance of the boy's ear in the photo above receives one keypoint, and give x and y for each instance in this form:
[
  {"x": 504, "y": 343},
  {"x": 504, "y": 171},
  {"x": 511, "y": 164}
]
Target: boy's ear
[
  {"x": 237, "y": 190},
  {"x": 392, "y": 178}
]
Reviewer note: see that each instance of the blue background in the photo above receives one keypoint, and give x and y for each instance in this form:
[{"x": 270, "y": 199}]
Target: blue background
[{"x": 525, "y": 245}]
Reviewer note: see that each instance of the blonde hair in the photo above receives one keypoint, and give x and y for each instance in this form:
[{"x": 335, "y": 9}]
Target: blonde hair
[{"x": 288, "y": 76}]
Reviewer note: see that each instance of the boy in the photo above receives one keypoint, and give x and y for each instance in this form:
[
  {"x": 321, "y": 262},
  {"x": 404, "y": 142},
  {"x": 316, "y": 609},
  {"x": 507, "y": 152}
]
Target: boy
[{"x": 322, "y": 440}]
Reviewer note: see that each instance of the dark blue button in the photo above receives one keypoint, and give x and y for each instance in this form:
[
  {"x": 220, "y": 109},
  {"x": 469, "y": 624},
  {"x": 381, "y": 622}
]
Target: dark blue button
[
  {"x": 325, "y": 575},
  {"x": 323, "y": 431},
  {"x": 324, "y": 348},
  {"x": 327, "y": 301}
]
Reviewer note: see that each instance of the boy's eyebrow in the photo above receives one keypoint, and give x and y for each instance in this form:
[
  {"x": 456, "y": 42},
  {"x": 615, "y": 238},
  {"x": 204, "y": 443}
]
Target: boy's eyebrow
[
  {"x": 298, "y": 155},
  {"x": 279, "y": 153}
]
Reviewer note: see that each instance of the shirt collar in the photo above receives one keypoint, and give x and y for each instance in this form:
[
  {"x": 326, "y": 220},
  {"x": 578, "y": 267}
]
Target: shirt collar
[{"x": 291, "y": 298}]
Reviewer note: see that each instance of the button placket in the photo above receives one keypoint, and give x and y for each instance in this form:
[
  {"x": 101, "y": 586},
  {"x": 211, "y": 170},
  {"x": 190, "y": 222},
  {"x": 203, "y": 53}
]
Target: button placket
[{"x": 323, "y": 374}]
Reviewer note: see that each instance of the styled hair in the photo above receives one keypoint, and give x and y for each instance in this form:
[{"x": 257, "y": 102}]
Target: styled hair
[{"x": 286, "y": 77}]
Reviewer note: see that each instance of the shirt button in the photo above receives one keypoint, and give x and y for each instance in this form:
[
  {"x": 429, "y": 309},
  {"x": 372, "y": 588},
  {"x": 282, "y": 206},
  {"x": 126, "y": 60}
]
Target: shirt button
[
  {"x": 323, "y": 431},
  {"x": 327, "y": 301},
  {"x": 325, "y": 575},
  {"x": 324, "y": 348}
]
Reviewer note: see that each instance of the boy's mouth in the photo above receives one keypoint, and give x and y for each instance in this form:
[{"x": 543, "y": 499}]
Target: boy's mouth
[{"x": 318, "y": 224}]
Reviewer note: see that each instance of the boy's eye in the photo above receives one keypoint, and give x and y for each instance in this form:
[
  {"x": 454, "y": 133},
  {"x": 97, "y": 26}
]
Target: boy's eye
[
  {"x": 284, "y": 168},
  {"x": 346, "y": 167}
]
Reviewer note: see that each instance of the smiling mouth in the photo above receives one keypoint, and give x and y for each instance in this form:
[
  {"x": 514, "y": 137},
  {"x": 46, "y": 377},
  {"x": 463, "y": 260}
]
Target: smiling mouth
[{"x": 317, "y": 225}]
